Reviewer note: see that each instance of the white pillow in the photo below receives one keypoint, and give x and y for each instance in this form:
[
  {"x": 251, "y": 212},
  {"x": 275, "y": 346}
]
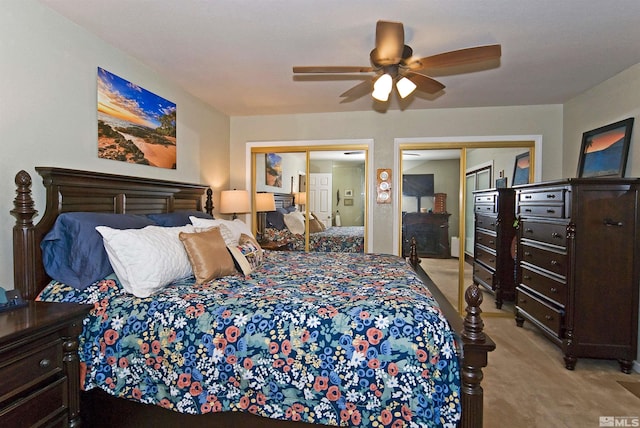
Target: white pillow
[
  {"x": 294, "y": 222},
  {"x": 147, "y": 259},
  {"x": 230, "y": 230}
]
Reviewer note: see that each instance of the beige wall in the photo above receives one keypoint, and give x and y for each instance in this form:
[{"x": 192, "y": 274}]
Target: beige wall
[
  {"x": 48, "y": 111},
  {"x": 615, "y": 99},
  {"x": 545, "y": 120}
]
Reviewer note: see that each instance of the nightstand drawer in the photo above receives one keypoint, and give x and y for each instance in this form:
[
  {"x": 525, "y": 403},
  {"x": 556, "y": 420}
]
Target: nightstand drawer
[
  {"x": 31, "y": 365},
  {"x": 549, "y": 287},
  {"x": 550, "y": 233},
  {"x": 543, "y": 313},
  {"x": 545, "y": 259},
  {"x": 40, "y": 407}
]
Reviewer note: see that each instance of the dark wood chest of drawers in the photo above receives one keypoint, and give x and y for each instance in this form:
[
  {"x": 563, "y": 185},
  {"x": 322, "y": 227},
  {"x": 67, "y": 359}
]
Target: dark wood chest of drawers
[
  {"x": 494, "y": 265},
  {"x": 39, "y": 374},
  {"x": 578, "y": 270},
  {"x": 431, "y": 231}
]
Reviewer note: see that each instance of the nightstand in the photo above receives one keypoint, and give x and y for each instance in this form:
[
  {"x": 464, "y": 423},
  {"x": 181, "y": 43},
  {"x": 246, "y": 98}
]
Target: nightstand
[{"x": 39, "y": 365}]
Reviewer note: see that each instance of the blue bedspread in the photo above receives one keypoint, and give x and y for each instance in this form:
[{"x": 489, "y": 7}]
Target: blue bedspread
[{"x": 333, "y": 338}]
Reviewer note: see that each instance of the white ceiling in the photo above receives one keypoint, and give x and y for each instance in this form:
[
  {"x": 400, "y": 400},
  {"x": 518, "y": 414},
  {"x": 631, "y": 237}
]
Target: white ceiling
[{"x": 237, "y": 55}]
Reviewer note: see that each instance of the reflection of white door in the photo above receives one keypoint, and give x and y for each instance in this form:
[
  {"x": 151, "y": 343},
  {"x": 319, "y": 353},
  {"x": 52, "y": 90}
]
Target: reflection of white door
[{"x": 319, "y": 188}]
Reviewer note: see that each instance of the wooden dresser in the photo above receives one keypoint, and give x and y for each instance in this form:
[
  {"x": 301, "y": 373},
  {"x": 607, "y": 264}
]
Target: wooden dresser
[
  {"x": 39, "y": 373},
  {"x": 431, "y": 231},
  {"x": 578, "y": 254},
  {"x": 494, "y": 264}
]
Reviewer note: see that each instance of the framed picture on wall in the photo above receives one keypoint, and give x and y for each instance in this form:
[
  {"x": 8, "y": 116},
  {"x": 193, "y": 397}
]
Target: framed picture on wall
[
  {"x": 348, "y": 193},
  {"x": 521, "y": 169},
  {"x": 604, "y": 150}
]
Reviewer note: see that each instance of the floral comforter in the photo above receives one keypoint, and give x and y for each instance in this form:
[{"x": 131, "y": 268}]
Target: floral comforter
[
  {"x": 331, "y": 338},
  {"x": 345, "y": 239}
]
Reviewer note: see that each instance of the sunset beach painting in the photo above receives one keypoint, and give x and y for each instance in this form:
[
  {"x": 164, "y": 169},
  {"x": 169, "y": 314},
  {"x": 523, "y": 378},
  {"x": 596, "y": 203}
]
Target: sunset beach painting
[
  {"x": 605, "y": 150},
  {"x": 134, "y": 125}
]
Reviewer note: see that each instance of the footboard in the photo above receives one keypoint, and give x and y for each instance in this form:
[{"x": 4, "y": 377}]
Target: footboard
[{"x": 475, "y": 345}]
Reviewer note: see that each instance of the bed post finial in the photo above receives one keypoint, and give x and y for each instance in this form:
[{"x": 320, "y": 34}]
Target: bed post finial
[
  {"x": 413, "y": 253},
  {"x": 473, "y": 323},
  {"x": 208, "y": 206},
  {"x": 23, "y": 237}
]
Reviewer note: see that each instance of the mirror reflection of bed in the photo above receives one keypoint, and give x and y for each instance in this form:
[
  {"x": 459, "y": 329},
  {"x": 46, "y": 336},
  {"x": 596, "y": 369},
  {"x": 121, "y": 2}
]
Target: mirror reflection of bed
[{"x": 327, "y": 201}]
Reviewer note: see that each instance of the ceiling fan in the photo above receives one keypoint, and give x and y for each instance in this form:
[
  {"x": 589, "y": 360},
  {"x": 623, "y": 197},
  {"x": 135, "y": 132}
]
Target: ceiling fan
[{"x": 393, "y": 61}]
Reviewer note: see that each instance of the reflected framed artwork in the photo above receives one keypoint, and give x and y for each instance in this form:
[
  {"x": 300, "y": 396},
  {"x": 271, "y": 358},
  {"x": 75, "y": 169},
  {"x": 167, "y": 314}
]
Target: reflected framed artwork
[
  {"x": 521, "y": 169},
  {"x": 604, "y": 150},
  {"x": 273, "y": 170}
]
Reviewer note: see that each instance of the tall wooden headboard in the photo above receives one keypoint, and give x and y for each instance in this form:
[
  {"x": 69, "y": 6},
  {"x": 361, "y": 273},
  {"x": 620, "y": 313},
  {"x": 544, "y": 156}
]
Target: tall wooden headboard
[
  {"x": 70, "y": 190},
  {"x": 283, "y": 200}
]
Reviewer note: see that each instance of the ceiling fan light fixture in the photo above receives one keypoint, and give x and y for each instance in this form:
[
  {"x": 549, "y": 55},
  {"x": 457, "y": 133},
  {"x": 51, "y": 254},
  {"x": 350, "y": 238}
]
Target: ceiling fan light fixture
[
  {"x": 382, "y": 87},
  {"x": 405, "y": 87}
]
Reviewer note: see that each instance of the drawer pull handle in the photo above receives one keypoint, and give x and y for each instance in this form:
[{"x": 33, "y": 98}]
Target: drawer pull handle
[
  {"x": 527, "y": 196},
  {"x": 550, "y": 211},
  {"x": 492, "y": 241},
  {"x": 556, "y": 235},
  {"x": 554, "y": 262},
  {"x": 527, "y": 254},
  {"x": 554, "y": 290},
  {"x": 523, "y": 300},
  {"x": 548, "y": 317},
  {"x": 551, "y": 196},
  {"x": 492, "y": 260},
  {"x": 492, "y": 224},
  {"x": 609, "y": 222},
  {"x": 527, "y": 210},
  {"x": 45, "y": 363},
  {"x": 528, "y": 230},
  {"x": 526, "y": 277}
]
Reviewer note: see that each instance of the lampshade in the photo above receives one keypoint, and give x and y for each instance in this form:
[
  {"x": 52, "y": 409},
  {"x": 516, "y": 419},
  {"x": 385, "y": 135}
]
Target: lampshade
[
  {"x": 234, "y": 201},
  {"x": 382, "y": 87},
  {"x": 265, "y": 202},
  {"x": 405, "y": 87},
  {"x": 301, "y": 198}
]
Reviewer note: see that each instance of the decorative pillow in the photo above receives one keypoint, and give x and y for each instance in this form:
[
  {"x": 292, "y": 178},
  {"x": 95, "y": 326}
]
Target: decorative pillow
[
  {"x": 177, "y": 218},
  {"x": 231, "y": 236},
  {"x": 247, "y": 254},
  {"x": 294, "y": 222},
  {"x": 319, "y": 221},
  {"x": 208, "y": 254},
  {"x": 315, "y": 225},
  {"x": 145, "y": 260},
  {"x": 72, "y": 251},
  {"x": 275, "y": 219}
]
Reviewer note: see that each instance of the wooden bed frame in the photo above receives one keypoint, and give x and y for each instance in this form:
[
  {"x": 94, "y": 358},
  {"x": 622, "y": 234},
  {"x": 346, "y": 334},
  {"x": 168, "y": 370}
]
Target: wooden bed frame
[{"x": 72, "y": 190}]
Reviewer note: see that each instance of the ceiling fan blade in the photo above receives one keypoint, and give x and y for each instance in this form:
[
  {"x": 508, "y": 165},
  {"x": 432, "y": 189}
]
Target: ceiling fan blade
[
  {"x": 331, "y": 69},
  {"x": 424, "y": 83},
  {"x": 454, "y": 58},
  {"x": 389, "y": 42},
  {"x": 361, "y": 89}
]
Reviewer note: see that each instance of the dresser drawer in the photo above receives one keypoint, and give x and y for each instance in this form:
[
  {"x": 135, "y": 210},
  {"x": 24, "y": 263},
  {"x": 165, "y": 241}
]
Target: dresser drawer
[
  {"x": 37, "y": 362},
  {"x": 42, "y": 406},
  {"x": 550, "y": 233},
  {"x": 545, "y": 259},
  {"x": 484, "y": 208},
  {"x": 556, "y": 195},
  {"x": 551, "y": 211},
  {"x": 549, "y": 287},
  {"x": 486, "y": 198},
  {"x": 543, "y": 313},
  {"x": 485, "y": 256},
  {"x": 486, "y": 222},
  {"x": 483, "y": 276},
  {"x": 486, "y": 239}
]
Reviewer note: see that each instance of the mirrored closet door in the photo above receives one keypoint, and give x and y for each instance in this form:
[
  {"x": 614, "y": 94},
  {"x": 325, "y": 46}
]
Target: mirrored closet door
[
  {"x": 437, "y": 206},
  {"x": 320, "y": 197}
]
